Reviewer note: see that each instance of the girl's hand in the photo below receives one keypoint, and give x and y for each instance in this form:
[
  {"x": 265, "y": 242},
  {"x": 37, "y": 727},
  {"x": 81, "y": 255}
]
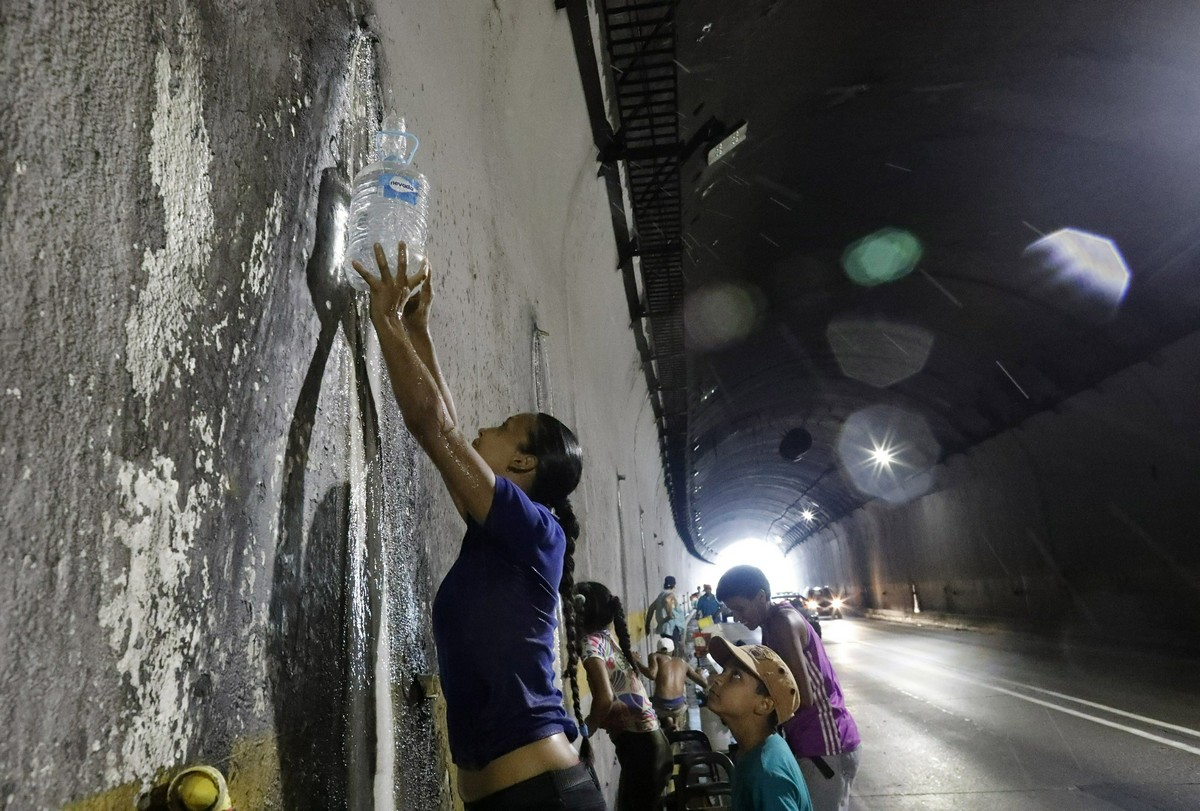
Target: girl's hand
[
  {"x": 416, "y": 311},
  {"x": 389, "y": 293}
]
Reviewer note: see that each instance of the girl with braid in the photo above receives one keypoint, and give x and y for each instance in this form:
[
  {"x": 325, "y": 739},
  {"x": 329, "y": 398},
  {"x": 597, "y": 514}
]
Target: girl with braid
[
  {"x": 510, "y": 736},
  {"x": 620, "y": 705}
]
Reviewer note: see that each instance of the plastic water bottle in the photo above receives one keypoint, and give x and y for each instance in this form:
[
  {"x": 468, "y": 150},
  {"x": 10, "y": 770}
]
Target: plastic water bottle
[{"x": 389, "y": 204}]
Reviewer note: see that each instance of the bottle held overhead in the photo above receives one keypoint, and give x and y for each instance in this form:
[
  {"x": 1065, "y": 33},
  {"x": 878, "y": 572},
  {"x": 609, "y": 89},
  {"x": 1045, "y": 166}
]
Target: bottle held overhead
[{"x": 389, "y": 203}]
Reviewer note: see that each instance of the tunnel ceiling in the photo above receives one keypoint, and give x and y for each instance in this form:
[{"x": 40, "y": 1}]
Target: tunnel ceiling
[{"x": 882, "y": 261}]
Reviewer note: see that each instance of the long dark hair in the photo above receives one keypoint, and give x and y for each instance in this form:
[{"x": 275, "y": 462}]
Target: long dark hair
[
  {"x": 560, "y": 464},
  {"x": 600, "y": 608},
  {"x": 560, "y": 461}
]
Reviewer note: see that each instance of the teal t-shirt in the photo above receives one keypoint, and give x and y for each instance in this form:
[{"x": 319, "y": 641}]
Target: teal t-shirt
[{"x": 767, "y": 778}]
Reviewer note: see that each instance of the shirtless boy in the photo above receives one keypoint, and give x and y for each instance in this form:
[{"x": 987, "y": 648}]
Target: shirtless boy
[{"x": 669, "y": 674}]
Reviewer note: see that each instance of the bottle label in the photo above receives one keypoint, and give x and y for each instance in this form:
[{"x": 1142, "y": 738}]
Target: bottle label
[{"x": 400, "y": 187}]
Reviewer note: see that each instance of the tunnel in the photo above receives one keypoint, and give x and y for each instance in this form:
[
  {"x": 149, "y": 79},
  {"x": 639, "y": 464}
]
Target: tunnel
[{"x": 897, "y": 300}]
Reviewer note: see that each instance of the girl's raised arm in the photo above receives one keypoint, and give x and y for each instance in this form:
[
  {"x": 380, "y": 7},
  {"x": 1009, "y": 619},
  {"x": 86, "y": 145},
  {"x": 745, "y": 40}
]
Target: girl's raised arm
[{"x": 421, "y": 394}]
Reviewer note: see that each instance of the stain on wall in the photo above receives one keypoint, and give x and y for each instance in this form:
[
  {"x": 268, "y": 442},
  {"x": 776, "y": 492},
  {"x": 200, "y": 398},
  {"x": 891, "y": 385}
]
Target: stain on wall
[{"x": 159, "y": 167}]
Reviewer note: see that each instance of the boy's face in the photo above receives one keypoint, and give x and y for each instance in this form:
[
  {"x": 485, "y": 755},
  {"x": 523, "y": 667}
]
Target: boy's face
[
  {"x": 733, "y": 693},
  {"x": 749, "y": 611}
]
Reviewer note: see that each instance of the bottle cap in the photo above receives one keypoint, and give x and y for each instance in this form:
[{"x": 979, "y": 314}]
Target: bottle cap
[
  {"x": 393, "y": 142},
  {"x": 393, "y": 123}
]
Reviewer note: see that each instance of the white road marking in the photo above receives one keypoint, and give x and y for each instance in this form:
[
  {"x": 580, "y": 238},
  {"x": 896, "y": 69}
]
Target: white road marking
[{"x": 941, "y": 668}]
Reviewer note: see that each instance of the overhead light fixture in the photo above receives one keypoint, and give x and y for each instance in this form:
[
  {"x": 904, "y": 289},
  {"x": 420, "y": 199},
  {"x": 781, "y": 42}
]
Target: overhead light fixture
[
  {"x": 883, "y": 456},
  {"x": 807, "y": 515},
  {"x": 726, "y": 144}
]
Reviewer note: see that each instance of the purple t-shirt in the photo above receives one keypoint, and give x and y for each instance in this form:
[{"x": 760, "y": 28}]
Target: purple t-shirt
[
  {"x": 493, "y": 622},
  {"x": 826, "y": 726}
]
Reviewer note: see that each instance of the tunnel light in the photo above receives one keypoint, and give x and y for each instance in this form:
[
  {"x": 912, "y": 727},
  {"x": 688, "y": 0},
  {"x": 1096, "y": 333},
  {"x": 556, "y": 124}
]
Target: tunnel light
[
  {"x": 807, "y": 515},
  {"x": 883, "y": 456},
  {"x": 888, "y": 453}
]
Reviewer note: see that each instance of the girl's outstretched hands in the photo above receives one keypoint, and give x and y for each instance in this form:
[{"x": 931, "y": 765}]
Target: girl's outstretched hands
[
  {"x": 391, "y": 292},
  {"x": 416, "y": 311}
]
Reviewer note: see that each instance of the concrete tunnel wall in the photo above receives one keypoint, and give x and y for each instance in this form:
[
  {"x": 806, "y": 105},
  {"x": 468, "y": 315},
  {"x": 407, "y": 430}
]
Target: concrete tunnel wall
[
  {"x": 1082, "y": 519},
  {"x": 215, "y": 522}
]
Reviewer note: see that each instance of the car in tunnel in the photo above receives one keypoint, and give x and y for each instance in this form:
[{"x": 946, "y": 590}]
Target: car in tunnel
[
  {"x": 823, "y": 602},
  {"x": 800, "y": 603}
]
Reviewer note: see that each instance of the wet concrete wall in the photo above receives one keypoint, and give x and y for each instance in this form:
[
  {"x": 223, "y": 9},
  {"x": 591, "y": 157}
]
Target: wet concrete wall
[
  {"x": 1082, "y": 519},
  {"x": 219, "y": 543}
]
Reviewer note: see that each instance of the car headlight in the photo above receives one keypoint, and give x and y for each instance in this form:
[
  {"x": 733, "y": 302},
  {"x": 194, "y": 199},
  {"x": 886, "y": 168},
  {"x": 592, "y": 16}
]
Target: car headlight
[
  {"x": 811, "y": 604},
  {"x": 837, "y": 602}
]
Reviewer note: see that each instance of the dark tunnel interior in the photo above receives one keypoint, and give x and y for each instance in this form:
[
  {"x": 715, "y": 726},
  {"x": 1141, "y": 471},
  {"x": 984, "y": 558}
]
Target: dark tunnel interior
[{"x": 954, "y": 245}]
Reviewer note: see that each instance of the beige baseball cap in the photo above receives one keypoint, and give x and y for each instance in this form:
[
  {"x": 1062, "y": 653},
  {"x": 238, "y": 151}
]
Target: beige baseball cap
[{"x": 770, "y": 669}]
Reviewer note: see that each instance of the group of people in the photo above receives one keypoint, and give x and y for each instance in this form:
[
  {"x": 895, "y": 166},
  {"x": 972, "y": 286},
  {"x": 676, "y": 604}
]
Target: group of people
[
  {"x": 668, "y": 616},
  {"x": 509, "y": 733},
  {"x": 786, "y": 684},
  {"x": 821, "y": 735}
]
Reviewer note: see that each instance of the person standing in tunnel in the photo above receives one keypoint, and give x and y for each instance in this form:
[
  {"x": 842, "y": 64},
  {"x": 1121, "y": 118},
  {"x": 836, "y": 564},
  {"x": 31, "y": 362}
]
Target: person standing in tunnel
[
  {"x": 708, "y": 605},
  {"x": 620, "y": 705},
  {"x": 675, "y": 627},
  {"x": 662, "y": 609},
  {"x": 510, "y": 736},
  {"x": 822, "y": 734}
]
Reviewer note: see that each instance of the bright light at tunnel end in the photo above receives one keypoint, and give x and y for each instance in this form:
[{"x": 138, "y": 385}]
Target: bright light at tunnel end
[{"x": 763, "y": 555}]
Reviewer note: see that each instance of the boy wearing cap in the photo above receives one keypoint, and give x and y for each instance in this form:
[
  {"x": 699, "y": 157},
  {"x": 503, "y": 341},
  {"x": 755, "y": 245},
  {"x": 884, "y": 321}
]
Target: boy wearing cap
[{"x": 754, "y": 695}]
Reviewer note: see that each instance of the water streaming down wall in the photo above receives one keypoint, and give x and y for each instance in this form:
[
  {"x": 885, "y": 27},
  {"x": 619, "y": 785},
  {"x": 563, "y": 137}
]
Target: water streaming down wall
[
  {"x": 375, "y": 608},
  {"x": 384, "y": 582}
]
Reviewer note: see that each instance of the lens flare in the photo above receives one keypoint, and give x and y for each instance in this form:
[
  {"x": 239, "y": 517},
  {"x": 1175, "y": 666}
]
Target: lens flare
[
  {"x": 888, "y": 453},
  {"x": 882, "y": 257},
  {"x": 1079, "y": 272},
  {"x": 721, "y": 314},
  {"x": 878, "y": 353}
]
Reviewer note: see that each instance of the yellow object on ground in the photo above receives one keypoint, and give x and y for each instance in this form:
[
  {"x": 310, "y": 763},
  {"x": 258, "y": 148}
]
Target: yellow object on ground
[
  {"x": 198, "y": 791},
  {"x": 198, "y": 788}
]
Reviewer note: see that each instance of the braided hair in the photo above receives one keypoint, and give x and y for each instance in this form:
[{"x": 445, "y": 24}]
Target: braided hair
[
  {"x": 602, "y": 608},
  {"x": 566, "y": 590},
  {"x": 560, "y": 464}
]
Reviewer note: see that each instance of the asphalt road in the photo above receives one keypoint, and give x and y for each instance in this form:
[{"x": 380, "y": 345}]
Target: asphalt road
[{"x": 999, "y": 721}]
